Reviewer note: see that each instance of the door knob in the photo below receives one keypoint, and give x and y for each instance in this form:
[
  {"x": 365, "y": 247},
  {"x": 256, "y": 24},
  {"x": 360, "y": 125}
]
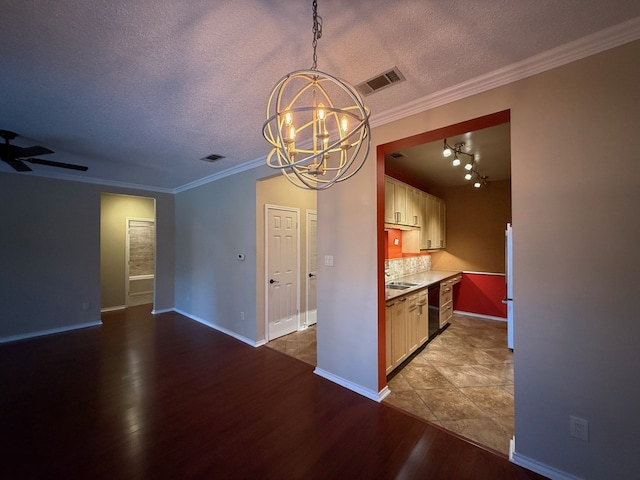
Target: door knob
[
  {"x": 312, "y": 275},
  {"x": 273, "y": 281}
]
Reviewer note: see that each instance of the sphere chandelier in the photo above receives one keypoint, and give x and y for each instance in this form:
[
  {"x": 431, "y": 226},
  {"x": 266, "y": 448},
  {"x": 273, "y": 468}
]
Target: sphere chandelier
[{"x": 317, "y": 125}]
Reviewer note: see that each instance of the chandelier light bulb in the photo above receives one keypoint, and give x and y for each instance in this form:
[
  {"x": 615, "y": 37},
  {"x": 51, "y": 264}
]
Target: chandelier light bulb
[
  {"x": 456, "y": 161},
  {"x": 468, "y": 166},
  {"x": 467, "y": 176},
  {"x": 344, "y": 125},
  {"x": 446, "y": 152}
]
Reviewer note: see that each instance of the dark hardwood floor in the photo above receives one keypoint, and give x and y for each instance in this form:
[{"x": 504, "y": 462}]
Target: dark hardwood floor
[{"x": 162, "y": 396}]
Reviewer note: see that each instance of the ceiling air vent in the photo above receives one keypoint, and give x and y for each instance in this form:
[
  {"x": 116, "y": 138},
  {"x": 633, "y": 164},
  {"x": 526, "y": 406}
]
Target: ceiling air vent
[
  {"x": 381, "y": 81},
  {"x": 212, "y": 158}
]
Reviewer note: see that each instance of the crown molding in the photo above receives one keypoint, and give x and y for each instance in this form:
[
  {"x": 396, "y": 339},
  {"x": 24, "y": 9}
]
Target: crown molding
[
  {"x": 612, "y": 37},
  {"x": 243, "y": 167},
  {"x": 94, "y": 181}
]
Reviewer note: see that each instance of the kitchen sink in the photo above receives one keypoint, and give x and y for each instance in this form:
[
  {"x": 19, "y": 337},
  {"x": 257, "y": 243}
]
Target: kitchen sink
[{"x": 400, "y": 285}]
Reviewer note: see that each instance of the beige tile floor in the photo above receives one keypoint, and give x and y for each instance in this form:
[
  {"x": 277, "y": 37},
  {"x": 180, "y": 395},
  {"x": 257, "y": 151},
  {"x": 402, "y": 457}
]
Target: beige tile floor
[{"x": 462, "y": 380}]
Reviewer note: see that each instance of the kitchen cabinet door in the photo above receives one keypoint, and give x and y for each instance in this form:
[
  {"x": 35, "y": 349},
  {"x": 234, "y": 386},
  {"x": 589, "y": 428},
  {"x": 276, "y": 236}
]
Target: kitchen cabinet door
[
  {"x": 389, "y": 200},
  {"x": 412, "y": 323},
  {"x": 400, "y": 203},
  {"x": 423, "y": 220},
  {"x": 436, "y": 209},
  {"x": 399, "y": 332},
  {"x": 413, "y": 206},
  {"x": 422, "y": 327},
  {"x": 442, "y": 209},
  {"x": 388, "y": 335}
]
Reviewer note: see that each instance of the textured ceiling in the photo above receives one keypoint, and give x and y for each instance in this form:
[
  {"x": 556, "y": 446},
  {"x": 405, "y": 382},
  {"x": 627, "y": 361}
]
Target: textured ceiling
[{"x": 140, "y": 90}]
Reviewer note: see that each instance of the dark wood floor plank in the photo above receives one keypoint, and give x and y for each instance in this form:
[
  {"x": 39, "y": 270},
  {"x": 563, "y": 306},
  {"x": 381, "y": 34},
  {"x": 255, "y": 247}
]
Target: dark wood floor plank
[{"x": 162, "y": 396}]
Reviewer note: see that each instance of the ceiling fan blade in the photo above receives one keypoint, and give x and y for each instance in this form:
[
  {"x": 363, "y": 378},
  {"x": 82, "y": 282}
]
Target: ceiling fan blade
[
  {"x": 18, "y": 165},
  {"x": 32, "y": 151},
  {"x": 51, "y": 163}
]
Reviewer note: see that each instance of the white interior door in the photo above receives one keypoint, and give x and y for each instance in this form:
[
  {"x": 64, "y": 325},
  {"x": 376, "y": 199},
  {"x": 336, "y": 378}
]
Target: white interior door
[
  {"x": 282, "y": 269},
  {"x": 312, "y": 266}
]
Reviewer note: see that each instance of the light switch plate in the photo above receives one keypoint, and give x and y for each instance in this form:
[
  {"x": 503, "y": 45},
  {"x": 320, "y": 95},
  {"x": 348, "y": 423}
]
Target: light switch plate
[{"x": 328, "y": 260}]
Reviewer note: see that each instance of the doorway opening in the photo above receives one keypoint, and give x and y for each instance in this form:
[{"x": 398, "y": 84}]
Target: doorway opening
[
  {"x": 127, "y": 251},
  {"x": 300, "y": 342},
  {"x": 463, "y": 379}
]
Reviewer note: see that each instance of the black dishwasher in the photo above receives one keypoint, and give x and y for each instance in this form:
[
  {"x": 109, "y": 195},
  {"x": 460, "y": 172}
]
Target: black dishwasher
[{"x": 434, "y": 308}]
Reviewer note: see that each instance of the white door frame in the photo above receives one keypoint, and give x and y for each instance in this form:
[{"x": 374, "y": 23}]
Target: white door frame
[
  {"x": 268, "y": 207},
  {"x": 127, "y": 257},
  {"x": 308, "y": 316}
]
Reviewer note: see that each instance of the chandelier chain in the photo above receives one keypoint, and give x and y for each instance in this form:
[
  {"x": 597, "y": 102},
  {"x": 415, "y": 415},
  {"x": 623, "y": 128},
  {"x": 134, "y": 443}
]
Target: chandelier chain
[{"x": 317, "y": 33}]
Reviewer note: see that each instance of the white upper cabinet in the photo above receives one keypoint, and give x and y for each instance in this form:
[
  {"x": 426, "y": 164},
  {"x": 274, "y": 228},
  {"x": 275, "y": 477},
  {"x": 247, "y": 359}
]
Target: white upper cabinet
[
  {"x": 389, "y": 200},
  {"x": 407, "y": 206}
]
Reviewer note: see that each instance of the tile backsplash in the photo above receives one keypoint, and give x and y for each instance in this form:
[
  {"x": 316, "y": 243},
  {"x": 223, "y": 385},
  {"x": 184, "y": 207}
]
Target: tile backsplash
[{"x": 395, "y": 268}]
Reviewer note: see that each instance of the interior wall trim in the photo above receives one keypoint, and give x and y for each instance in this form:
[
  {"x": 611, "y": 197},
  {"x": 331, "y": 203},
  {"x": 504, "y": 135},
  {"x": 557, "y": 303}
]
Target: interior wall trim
[
  {"x": 112, "y": 309},
  {"x": 354, "y": 387},
  {"x": 50, "y": 331},
  {"x": 226, "y": 331},
  {"x": 243, "y": 167},
  {"x": 606, "y": 39},
  {"x": 479, "y": 315},
  {"x": 538, "y": 467}
]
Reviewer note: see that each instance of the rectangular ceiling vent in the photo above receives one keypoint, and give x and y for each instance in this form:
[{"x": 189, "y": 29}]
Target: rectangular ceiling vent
[
  {"x": 212, "y": 158},
  {"x": 379, "y": 82}
]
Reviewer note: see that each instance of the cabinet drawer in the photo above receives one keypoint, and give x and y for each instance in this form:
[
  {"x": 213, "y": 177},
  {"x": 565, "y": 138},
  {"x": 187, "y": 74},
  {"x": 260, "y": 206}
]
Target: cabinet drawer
[
  {"x": 446, "y": 312},
  {"x": 446, "y": 292}
]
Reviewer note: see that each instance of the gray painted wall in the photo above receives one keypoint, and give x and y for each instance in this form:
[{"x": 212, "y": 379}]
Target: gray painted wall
[
  {"x": 50, "y": 253},
  {"x": 576, "y": 264},
  {"x": 214, "y": 223}
]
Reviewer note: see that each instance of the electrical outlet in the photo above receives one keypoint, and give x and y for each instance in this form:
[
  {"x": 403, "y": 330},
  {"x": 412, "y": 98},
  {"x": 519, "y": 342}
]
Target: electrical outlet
[
  {"x": 579, "y": 428},
  {"x": 241, "y": 315}
]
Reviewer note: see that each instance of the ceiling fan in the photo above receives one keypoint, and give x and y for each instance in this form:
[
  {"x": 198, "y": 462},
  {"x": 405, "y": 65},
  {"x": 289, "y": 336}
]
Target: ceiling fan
[{"x": 16, "y": 156}]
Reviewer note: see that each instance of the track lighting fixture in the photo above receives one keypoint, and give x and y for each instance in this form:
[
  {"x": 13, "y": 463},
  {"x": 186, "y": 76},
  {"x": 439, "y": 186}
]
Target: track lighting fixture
[{"x": 470, "y": 166}]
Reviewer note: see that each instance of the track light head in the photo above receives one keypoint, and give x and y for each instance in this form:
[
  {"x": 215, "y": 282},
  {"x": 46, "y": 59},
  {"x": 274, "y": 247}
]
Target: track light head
[{"x": 446, "y": 149}]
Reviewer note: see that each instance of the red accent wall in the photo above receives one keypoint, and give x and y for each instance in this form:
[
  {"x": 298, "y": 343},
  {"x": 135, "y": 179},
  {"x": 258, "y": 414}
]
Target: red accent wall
[
  {"x": 393, "y": 251},
  {"x": 482, "y": 294}
]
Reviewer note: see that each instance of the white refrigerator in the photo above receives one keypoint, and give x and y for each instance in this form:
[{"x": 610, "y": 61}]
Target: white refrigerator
[{"x": 509, "y": 281}]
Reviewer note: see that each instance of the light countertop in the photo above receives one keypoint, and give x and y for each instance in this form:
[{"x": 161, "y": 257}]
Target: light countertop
[{"x": 423, "y": 279}]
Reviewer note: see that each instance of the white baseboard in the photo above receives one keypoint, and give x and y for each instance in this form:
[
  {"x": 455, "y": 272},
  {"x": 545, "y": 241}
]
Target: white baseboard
[
  {"x": 162, "y": 310},
  {"x": 259, "y": 343},
  {"x": 354, "y": 387},
  {"x": 535, "y": 466},
  {"x": 479, "y": 315},
  {"x": 51, "y": 331},
  {"x": 112, "y": 309},
  {"x": 218, "y": 328},
  {"x": 382, "y": 394}
]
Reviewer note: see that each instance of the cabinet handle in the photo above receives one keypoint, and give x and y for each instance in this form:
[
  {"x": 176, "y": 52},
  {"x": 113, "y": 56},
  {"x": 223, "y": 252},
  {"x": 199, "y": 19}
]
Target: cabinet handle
[
  {"x": 397, "y": 217},
  {"x": 403, "y": 299}
]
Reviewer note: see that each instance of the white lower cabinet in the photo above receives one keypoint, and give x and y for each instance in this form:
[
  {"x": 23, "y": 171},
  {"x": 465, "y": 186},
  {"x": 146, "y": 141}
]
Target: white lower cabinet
[{"x": 406, "y": 327}]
